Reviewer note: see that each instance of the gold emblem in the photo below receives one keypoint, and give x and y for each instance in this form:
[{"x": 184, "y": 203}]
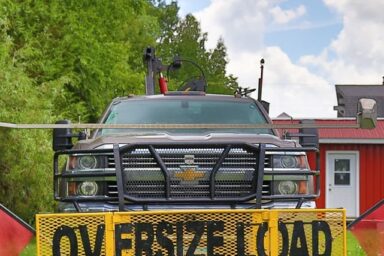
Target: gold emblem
[{"x": 189, "y": 173}]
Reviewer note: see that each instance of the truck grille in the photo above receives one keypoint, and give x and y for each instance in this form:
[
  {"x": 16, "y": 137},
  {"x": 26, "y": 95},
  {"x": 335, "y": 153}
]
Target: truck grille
[{"x": 189, "y": 170}]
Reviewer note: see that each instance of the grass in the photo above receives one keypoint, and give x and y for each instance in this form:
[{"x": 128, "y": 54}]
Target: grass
[
  {"x": 30, "y": 249},
  {"x": 353, "y": 247}
]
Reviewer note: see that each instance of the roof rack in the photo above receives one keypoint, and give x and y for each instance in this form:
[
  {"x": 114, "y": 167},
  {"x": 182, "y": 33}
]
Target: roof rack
[{"x": 191, "y": 93}]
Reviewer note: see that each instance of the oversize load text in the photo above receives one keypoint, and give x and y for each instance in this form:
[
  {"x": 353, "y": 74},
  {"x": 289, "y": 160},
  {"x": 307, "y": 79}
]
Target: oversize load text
[{"x": 147, "y": 234}]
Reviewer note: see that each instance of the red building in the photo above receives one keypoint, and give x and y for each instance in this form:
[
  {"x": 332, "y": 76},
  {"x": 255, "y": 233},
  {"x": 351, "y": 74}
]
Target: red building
[{"x": 351, "y": 165}]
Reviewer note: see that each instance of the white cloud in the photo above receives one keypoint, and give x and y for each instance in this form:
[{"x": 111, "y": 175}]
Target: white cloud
[
  {"x": 356, "y": 9},
  {"x": 295, "y": 90},
  {"x": 243, "y": 23},
  {"x": 281, "y": 16},
  {"x": 303, "y": 89},
  {"x": 357, "y": 54},
  {"x": 288, "y": 87},
  {"x": 240, "y": 23}
]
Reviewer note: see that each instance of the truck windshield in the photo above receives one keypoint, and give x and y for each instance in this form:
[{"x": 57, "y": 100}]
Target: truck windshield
[{"x": 185, "y": 111}]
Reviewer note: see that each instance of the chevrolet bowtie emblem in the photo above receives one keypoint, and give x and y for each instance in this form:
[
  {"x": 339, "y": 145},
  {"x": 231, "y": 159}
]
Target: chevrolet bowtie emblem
[{"x": 189, "y": 173}]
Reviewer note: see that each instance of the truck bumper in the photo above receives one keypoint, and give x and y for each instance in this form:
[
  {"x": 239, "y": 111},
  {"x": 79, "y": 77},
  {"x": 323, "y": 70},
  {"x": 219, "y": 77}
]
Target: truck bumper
[{"x": 105, "y": 207}]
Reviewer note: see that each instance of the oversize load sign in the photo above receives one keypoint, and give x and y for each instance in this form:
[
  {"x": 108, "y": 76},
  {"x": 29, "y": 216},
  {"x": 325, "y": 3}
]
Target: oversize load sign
[{"x": 179, "y": 233}]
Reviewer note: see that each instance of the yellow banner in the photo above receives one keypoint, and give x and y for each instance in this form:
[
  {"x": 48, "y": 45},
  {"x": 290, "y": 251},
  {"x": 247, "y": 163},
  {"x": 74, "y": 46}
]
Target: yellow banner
[{"x": 193, "y": 232}]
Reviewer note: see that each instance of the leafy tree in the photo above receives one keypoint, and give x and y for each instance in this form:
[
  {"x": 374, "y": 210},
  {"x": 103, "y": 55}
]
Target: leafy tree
[
  {"x": 220, "y": 82},
  {"x": 89, "y": 51},
  {"x": 184, "y": 37},
  {"x": 25, "y": 158}
]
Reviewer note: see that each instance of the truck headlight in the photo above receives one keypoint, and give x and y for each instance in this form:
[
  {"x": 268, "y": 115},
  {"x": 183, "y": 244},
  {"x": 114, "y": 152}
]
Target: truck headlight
[
  {"x": 87, "y": 162},
  {"x": 88, "y": 188},
  {"x": 290, "y": 161},
  {"x": 84, "y": 162}
]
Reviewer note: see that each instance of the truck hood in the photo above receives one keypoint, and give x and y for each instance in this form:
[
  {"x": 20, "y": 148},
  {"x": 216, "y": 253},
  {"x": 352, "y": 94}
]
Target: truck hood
[{"x": 167, "y": 138}]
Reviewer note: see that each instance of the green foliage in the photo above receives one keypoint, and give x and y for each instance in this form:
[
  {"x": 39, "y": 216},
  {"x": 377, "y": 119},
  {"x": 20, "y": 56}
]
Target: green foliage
[
  {"x": 25, "y": 159},
  {"x": 89, "y": 51},
  {"x": 68, "y": 59}
]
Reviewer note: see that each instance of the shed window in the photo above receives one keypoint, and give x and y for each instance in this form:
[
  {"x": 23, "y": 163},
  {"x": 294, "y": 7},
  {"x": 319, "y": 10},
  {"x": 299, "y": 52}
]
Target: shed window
[{"x": 342, "y": 172}]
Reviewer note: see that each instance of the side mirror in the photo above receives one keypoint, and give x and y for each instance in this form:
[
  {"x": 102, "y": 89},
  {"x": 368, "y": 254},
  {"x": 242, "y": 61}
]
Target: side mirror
[
  {"x": 62, "y": 137},
  {"x": 367, "y": 113},
  {"x": 309, "y": 136}
]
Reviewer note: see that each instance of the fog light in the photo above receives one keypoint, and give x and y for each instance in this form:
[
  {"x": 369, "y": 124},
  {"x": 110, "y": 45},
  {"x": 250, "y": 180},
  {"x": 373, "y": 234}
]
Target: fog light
[
  {"x": 87, "y": 162},
  {"x": 88, "y": 188},
  {"x": 287, "y": 187}
]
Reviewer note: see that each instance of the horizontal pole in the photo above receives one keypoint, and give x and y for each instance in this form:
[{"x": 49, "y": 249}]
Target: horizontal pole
[{"x": 178, "y": 126}]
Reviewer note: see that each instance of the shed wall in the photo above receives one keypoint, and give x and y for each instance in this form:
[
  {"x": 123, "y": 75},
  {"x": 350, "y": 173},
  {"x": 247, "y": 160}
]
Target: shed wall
[{"x": 371, "y": 187}]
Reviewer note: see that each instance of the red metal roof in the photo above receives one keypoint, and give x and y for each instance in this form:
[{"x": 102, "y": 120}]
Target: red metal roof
[{"x": 340, "y": 133}]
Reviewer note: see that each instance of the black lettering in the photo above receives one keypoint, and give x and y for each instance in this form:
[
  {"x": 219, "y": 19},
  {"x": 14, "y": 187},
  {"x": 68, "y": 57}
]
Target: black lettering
[
  {"x": 179, "y": 238},
  {"x": 163, "y": 240},
  {"x": 317, "y": 227},
  {"x": 298, "y": 234},
  {"x": 284, "y": 238},
  {"x": 143, "y": 245},
  {"x": 64, "y": 231},
  {"x": 212, "y": 240},
  {"x": 98, "y": 241},
  {"x": 240, "y": 239},
  {"x": 196, "y": 227},
  {"x": 122, "y": 244},
  {"x": 263, "y": 228}
]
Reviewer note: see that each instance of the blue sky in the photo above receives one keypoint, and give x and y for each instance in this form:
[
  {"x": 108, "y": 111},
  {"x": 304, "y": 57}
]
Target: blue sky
[
  {"x": 310, "y": 34},
  {"x": 191, "y": 6},
  {"x": 307, "y": 35},
  {"x": 309, "y": 46}
]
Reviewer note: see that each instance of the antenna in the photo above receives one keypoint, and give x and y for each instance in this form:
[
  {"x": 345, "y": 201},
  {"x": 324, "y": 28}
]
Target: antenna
[{"x": 261, "y": 80}]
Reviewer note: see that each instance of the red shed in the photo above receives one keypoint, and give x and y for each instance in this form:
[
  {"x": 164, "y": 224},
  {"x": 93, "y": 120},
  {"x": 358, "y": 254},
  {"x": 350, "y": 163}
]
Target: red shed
[{"x": 351, "y": 165}]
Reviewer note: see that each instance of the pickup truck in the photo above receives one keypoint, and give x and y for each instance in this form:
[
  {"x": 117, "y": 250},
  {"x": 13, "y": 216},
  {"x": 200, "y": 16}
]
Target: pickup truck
[{"x": 182, "y": 150}]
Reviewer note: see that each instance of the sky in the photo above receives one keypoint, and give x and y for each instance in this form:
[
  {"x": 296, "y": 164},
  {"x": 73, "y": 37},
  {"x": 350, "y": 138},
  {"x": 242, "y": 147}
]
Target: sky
[{"x": 308, "y": 47}]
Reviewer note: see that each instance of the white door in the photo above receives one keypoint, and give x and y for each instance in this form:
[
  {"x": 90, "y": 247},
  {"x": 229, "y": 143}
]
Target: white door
[{"x": 342, "y": 185}]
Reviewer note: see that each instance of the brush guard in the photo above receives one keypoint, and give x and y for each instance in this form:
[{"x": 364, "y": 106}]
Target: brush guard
[{"x": 190, "y": 177}]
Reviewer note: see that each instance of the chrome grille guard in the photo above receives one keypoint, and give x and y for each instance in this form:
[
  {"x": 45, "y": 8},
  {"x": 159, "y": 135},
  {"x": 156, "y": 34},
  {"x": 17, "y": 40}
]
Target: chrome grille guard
[{"x": 173, "y": 182}]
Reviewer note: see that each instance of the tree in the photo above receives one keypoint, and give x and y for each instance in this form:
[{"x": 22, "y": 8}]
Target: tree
[
  {"x": 89, "y": 52},
  {"x": 184, "y": 37},
  {"x": 25, "y": 158}
]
